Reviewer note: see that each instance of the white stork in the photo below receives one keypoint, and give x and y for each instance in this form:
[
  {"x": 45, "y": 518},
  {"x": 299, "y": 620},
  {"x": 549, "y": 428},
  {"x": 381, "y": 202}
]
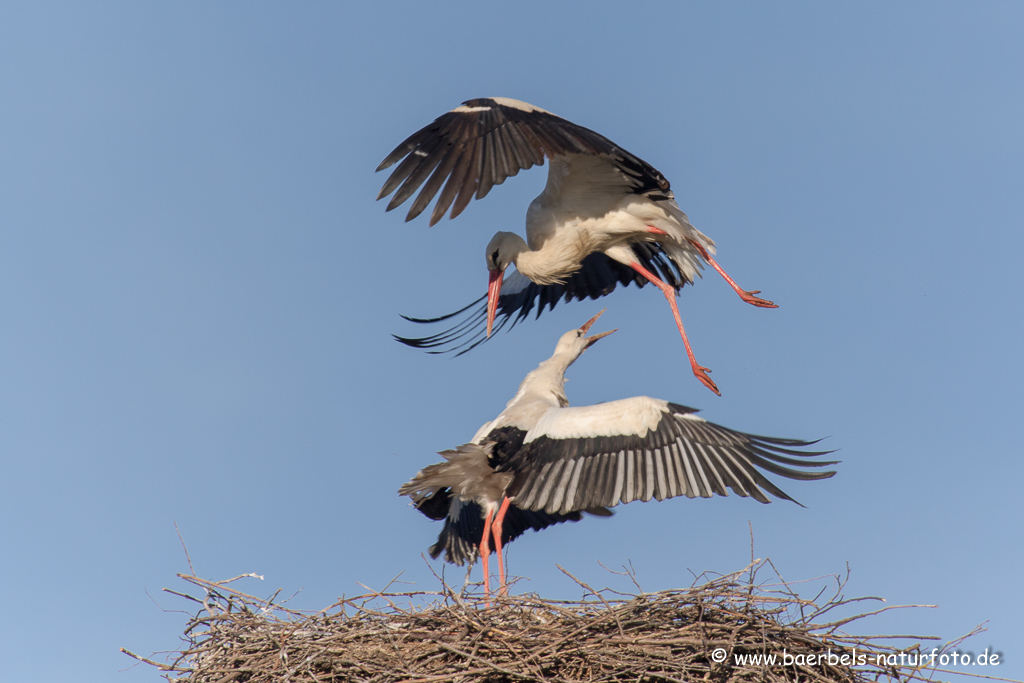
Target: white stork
[
  {"x": 605, "y": 217},
  {"x": 541, "y": 462}
]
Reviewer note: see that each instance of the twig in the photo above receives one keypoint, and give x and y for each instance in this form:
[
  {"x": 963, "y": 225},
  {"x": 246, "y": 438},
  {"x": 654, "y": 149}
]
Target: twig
[
  {"x": 162, "y": 667},
  {"x": 185, "y": 548}
]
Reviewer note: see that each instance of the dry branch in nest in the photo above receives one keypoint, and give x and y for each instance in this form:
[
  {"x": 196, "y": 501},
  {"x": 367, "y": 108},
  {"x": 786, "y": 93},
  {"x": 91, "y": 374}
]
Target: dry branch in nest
[{"x": 714, "y": 631}]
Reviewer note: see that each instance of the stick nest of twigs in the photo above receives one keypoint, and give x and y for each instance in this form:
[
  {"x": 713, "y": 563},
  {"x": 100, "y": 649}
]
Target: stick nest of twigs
[{"x": 721, "y": 629}]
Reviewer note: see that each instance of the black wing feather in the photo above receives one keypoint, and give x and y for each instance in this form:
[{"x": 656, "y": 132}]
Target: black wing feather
[
  {"x": 459, "y": 540},
  {"x": 488, "y": 140},
  {"x": 598, "y": 276}
]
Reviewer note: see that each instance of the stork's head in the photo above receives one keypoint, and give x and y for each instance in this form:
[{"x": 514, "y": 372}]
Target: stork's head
[
  {"x": 576, "y": 341},
  {"x": 503, "y": 249}
]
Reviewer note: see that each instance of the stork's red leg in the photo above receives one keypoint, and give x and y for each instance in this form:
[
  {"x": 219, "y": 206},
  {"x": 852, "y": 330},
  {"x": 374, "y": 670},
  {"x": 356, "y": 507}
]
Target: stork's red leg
[
  {"x": 485, "y": 551},
  {"x": 700, "y": 372},
  {"x": 747, "y": 296},
  {"x": 496, "y": 532}
]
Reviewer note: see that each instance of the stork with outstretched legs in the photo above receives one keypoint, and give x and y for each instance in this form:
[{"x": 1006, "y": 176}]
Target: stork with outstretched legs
[{"x": 605, "y": 217}]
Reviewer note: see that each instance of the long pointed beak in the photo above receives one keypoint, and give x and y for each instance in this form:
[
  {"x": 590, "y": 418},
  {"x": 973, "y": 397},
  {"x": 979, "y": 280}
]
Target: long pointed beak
[
  {"x": 590, "y": 340},
  {"x": 493, "y": 291},
  {"x": 585, "y": 327}
]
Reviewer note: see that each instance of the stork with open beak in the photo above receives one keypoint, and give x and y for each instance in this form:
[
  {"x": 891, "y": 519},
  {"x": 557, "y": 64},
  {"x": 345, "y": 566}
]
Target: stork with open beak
[
  {"x": 541, "y": 462},
  {"x": 605, "y": 217}
]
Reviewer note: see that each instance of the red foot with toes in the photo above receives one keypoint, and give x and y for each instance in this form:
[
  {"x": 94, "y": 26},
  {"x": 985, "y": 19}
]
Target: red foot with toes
[
  {"x": 744, "y": 294},
  {"x": 702, "y": 374},
  {"x": 749, "y": 297}
]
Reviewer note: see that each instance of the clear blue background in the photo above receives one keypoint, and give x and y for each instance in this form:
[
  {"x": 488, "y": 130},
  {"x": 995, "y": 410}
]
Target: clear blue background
[{"x": 197, "y": 292}]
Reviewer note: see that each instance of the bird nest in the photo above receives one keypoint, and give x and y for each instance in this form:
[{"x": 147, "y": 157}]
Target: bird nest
[{"x": 723, "y": 628}]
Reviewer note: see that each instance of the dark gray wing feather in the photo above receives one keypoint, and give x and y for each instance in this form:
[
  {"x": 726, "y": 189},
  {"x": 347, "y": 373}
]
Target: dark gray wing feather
[
  {"x": 459, "y": 540},
  {"x": 599, "y": 275},
  {"x": 486, "y": 140}
]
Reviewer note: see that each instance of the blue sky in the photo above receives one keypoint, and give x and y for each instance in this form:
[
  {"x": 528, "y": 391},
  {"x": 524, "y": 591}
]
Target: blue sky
[{"x": 197, "y": 293}]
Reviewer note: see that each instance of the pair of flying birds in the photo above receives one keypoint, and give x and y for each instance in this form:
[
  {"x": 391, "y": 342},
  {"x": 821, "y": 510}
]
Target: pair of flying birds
[{"x": 605, "y": 218}]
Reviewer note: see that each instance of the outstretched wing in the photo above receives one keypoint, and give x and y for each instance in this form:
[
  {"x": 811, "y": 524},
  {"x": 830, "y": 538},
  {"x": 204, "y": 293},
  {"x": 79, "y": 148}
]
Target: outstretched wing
[
  {"x": 599, "y": 275},
  {"x": 481, "y": 143},
  {"x": 641, "y": 448}
]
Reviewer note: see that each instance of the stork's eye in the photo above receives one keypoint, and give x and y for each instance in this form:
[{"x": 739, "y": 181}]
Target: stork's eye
[{"x": 494, "y": 257}]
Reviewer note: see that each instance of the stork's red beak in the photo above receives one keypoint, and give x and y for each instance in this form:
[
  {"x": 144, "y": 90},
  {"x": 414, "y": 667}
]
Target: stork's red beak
[
  {"x": 585, "y": 327},
  {"x": 493, "y": 291}
]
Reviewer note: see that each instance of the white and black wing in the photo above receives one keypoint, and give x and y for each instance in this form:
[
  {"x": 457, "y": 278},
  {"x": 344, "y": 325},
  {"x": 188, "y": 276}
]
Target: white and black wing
[
  {"x": 598, "y": 275},
  {"x": 481, "y": 143},
  {"x": 642, "y": 448}
]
